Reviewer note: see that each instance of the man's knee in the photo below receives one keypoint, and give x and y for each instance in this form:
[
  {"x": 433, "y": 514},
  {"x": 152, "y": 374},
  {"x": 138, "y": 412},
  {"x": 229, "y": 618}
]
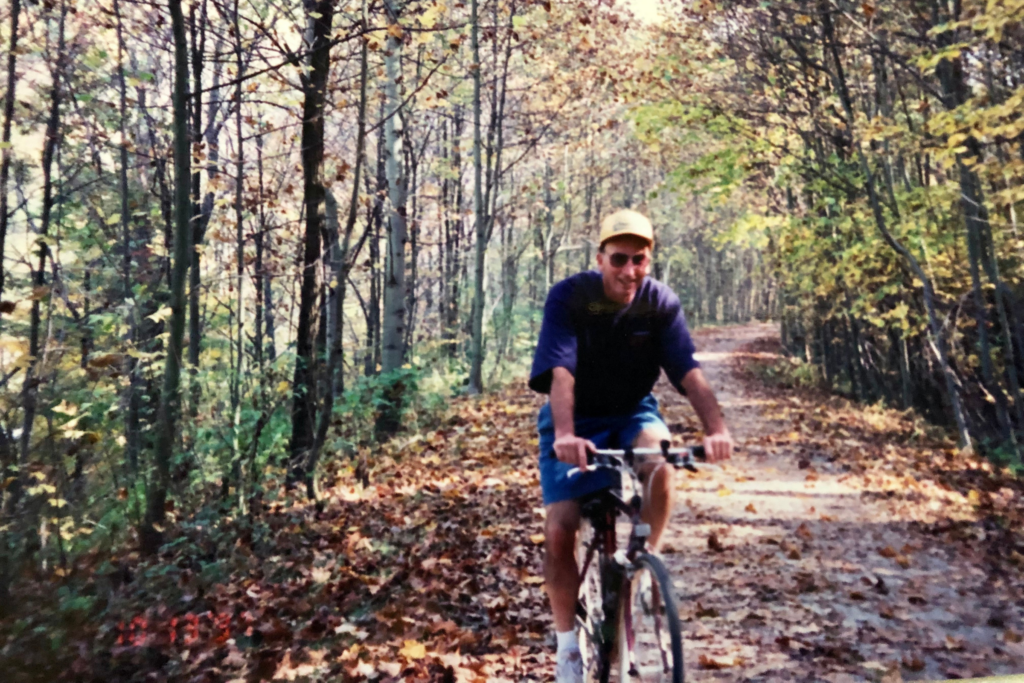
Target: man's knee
[
  {"x": 651, "y": 436},
  {"x": 656, "y": 475}
]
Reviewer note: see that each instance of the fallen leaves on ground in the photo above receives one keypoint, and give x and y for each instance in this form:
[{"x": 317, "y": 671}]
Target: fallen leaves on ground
[
  {"x": 426, "y": 566},
  {"x": 431, "y": 572},
  {"x": 861, "y": 543},
  {"x": 714, "y": 664}
]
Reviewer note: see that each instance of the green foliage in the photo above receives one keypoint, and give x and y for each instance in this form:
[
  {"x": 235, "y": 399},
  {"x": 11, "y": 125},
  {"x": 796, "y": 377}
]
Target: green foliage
[
  {"x": 788, "y": 372},
  {"x": 1008, "y": 456},
  {"x": 425, "y": 397},
  {"x": 510, "y": 342},
  {"x": 933, "y": 143}
]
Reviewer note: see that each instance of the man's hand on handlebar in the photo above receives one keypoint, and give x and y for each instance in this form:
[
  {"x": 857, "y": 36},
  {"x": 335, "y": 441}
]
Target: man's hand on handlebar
[
  {"x": 573, "y": 449},
  {"x": 718, "y": 446}
]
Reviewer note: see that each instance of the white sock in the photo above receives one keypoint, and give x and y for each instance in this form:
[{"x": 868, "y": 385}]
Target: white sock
[{"x": 567, "y": 640}]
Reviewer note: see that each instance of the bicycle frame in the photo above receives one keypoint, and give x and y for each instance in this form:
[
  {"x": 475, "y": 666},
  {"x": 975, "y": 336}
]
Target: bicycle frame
[{"x": 601, "y": 510}]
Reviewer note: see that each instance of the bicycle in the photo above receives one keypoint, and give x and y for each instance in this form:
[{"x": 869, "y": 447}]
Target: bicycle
[{"x": 626, "y": 614}]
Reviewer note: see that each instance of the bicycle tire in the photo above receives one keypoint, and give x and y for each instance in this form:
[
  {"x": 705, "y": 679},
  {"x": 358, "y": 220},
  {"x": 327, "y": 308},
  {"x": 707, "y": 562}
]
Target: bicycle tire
[{"x": 655, "y": 654}]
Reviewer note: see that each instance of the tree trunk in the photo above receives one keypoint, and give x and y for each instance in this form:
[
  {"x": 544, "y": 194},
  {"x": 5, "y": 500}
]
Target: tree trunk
[
  {"x": 972, "y": 202},
  {"x": 264, "y": 317},
  {"x": 202, "y": 211},
  {"x": 453, "y": 224},
  {"x": 238, "y": 371},
  {"x": 712, "y": 276},
  {"x": 444, "y": 246},
  {"x": 393, "y": 328},
  {"x": 151, "y": 534},
  {"x": 319, "y": 16},
  {"x": 480, "y": 217},
  {"x": 371, "y": 363},
  {"x": 265, "y": 295},
  {"x": 414, "y": 158},
  {"x": 51, "y": 141},
  {"x": 341, "y": 263},
  {"x": 5, "y": 140},
  {"x": 133, "y": 437},
  {"x": 258, "y": 243}
]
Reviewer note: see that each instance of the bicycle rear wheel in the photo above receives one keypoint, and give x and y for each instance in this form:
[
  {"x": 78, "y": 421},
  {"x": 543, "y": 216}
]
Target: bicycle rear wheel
[{"x": 651, "y": 635}]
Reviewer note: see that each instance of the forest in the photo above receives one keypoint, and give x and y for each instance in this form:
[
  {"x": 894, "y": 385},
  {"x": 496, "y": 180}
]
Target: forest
[{"x": 256, "y": 251}]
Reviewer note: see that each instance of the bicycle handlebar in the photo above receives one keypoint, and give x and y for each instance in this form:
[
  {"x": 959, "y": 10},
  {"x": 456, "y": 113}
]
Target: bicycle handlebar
[{"x": 681, "y": 458}]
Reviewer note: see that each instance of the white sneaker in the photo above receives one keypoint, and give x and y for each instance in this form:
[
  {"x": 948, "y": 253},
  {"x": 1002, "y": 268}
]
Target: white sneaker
[{"x": 569, "y": 668}]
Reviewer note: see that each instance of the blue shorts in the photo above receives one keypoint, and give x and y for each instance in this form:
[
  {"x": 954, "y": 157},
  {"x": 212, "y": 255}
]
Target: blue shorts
[{"x": 616, "y": 431}]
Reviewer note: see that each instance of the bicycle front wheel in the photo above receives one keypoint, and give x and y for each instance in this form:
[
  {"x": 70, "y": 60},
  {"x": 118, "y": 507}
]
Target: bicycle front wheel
[
  {"x": 651, "y": 636},
  {"x": 594, "y": 626}
]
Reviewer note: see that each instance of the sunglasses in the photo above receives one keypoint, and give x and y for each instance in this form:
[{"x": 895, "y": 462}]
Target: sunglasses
[{"x": 618, "y": 259}]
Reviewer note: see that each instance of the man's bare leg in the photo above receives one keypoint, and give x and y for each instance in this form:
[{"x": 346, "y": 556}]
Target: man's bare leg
[
  {"x": 561, "y": 576},
  {"x": 658, "y": 482}
]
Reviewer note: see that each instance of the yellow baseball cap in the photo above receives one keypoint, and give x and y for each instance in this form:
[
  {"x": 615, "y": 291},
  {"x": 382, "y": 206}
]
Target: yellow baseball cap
[{"x": 626, "y": 222}]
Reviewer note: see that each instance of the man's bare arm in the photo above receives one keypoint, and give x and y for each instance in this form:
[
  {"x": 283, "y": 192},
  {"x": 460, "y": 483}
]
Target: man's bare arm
[
  {"x": 563, "y": 401},
  {"x": 568, "y": 447},
  {"x": 717, "y": 440}
]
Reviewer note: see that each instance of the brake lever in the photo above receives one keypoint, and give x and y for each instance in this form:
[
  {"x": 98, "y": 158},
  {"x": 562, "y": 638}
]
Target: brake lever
[
  {"x": 576, "y": 470},
  {"x": 606, "y": 462}
]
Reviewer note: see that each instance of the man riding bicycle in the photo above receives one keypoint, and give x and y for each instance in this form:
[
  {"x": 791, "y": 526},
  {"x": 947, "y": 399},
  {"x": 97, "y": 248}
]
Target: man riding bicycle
[{"x": 605, "y": 337}]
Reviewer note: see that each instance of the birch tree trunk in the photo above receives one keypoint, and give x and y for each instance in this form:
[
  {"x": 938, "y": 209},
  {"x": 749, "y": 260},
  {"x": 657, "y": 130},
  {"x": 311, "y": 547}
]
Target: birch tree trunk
[
  {"x": 394, "y": 322},
  {"x": 375, "y": 218}
]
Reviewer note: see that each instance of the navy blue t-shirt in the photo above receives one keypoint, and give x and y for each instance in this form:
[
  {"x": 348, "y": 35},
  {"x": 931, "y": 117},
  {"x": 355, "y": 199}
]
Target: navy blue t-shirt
[{"x": 615, "y": 352}]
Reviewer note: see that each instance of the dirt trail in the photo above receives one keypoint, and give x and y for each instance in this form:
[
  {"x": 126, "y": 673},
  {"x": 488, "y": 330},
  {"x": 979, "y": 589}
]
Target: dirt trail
[{"x": 819, "y": 573}]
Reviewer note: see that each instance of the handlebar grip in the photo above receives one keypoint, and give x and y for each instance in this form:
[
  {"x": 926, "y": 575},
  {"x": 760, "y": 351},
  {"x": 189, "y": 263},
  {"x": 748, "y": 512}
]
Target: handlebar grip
[{"x": 699, "y": 454}]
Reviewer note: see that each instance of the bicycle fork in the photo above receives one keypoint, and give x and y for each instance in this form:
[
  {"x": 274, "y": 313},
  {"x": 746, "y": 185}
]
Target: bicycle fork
[
  {"x": 612, "y": 574},
  {"x": 616, "y": 569},
  {"x": 627, "y": 570}
]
